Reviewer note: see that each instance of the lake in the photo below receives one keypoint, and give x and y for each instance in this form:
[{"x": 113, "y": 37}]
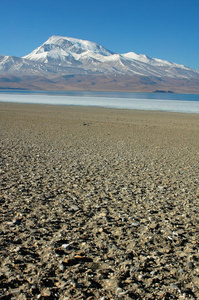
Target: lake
[{"x": 186, "y": 103}]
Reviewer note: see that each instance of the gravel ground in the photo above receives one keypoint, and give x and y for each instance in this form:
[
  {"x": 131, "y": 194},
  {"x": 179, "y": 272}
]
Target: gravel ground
[{"x": 98, "y": 203}]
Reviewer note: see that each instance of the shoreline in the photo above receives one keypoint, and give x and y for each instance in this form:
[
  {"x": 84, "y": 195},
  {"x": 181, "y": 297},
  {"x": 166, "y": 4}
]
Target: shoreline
[
  {"x": 163, "y": 103},
  {"x": 43, "y": 105},
  {"x": 98, "y": 203}
]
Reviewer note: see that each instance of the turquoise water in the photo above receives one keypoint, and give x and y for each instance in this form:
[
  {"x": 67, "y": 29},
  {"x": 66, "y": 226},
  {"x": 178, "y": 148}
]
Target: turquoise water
[{"x": 187, "y": 103}]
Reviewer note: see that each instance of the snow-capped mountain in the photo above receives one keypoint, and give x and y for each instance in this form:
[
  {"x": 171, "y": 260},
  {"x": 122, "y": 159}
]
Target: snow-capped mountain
[
  {"x": 63, "y": 56},
  {"x": 67, "y": 52}
]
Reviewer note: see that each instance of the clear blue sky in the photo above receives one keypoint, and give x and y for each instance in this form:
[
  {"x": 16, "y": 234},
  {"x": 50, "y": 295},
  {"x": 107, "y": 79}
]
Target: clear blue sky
[{"x": 166, "y": 29}]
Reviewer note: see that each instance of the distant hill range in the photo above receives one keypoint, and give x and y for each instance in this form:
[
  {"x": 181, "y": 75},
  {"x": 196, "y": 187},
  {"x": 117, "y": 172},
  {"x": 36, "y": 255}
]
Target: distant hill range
[{"x": 63, "y": 63}]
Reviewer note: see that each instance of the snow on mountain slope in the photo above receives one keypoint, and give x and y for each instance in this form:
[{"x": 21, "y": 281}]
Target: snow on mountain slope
[
  {"x": 12, "y": 65},
  {"x": 77, "y": 45},
  {"x": 93, "y": 58},
  {"x": 149, "y": 60},
  {"x": 63, "y": 55},
  {"x": 24, "y": 67},
  {"x": 64, "y": 50}
]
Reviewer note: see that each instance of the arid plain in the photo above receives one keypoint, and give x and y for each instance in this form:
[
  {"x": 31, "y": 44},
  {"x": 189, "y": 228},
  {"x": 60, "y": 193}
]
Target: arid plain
[{"x": 98, "y": 203}]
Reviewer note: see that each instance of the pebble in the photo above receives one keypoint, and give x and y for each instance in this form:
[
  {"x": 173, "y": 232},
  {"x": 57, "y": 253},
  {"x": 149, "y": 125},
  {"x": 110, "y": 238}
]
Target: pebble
[
  {"x": 74, "y": 208},
  {"x": 82, "y": 219},
  {"x": 135, "y": 224},
  {"x": 66, "y": 246},
  {"x": 46, "y": 293}
]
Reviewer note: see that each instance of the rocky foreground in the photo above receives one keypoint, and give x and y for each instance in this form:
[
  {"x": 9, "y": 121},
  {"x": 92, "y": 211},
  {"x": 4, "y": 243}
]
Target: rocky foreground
[{"x": 98, "y": 203}]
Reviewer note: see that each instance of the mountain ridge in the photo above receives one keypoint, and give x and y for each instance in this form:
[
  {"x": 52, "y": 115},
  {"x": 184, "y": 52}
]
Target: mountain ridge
[{"x": 63, "y": 56}]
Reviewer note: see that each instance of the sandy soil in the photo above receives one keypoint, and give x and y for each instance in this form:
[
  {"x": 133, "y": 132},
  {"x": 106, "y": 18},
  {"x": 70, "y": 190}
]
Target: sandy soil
[{"x": 98, "y": 203}]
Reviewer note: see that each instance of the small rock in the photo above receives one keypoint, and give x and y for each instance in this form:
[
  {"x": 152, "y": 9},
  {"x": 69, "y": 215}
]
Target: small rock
[
  {"x": 66, "y": 246},
  {"x": 135, "y": 224},
  {"x": 61, "y": 267},
  {"x": 46, "y": 292},
  {"x": 74, "y": 208}
]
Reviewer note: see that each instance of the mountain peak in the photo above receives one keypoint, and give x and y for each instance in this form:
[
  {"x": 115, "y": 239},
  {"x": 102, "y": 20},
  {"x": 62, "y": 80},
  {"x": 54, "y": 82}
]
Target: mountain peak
[{"x": 60, "y": 47}]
